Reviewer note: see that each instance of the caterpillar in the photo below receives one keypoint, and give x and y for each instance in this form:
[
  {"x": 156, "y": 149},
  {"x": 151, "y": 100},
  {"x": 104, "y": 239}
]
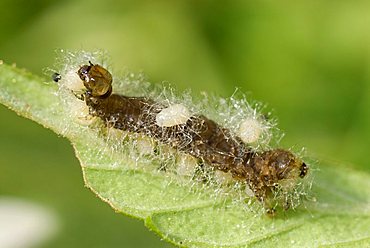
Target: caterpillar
[{"x": 213, "y": 145}]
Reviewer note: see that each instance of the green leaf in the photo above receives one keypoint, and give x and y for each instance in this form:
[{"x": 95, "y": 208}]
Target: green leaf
[{"x": 188, "y": 215}]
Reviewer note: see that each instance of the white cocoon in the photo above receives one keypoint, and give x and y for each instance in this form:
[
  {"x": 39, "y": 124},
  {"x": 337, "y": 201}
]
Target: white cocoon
[{"x": 173, "y": 115}]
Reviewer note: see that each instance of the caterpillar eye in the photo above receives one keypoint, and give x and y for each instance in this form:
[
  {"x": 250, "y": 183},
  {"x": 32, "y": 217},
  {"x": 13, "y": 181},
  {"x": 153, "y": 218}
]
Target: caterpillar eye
[
  {"x": 83, "y": 72},
  {"x": 303, "y": 170}
]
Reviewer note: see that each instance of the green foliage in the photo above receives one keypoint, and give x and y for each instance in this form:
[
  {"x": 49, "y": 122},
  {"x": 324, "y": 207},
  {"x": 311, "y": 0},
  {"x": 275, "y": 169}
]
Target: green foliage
[{"x": 339, "y": 215}]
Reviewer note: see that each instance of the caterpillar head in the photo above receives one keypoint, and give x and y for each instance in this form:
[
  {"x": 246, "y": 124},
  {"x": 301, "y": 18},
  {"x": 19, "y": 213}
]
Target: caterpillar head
[
  {"x": 276, "y": 174},
  {"x": 278, "y": 166},
  {"x": 96, "y": 79}
]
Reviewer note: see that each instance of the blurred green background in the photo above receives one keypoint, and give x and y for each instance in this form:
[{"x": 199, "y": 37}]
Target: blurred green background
[{"x": 308, "y": 60}]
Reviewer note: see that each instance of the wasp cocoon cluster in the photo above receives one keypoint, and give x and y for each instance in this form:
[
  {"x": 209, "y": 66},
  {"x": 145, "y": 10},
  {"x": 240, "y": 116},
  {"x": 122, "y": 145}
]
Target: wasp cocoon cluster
[{"x": 218, "y": 142}]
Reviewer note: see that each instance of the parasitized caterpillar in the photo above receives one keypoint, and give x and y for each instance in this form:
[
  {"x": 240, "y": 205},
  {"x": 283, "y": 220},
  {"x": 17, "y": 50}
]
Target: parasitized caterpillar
[{"x": 266, "y": 172}]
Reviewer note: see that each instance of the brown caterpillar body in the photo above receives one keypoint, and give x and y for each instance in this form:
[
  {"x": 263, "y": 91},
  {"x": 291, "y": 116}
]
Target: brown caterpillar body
[{"x": 199, "y": 136}]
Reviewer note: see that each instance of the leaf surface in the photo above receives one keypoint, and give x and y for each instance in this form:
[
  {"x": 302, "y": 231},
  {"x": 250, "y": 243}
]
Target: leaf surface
[{"x": 186, "y": 214}]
